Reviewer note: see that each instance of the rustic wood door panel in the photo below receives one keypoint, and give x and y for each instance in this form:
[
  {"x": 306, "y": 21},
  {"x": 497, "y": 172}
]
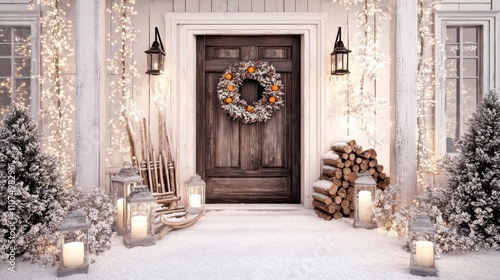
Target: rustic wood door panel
[{"x": 248, "y": 163}]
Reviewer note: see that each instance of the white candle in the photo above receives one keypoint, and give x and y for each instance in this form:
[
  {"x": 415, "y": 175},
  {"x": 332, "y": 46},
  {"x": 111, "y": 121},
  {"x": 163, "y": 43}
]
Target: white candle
[
  {"x": 155, "y": 66},
  {"x": 73, "y": 254},
  {"x": 139, "y": 226},
  {"x": 119, "y": 216},
  {"x": 365, "y": 206},
  {"x": 424, "y": 255},
  {"x": 195, "y": 200}
]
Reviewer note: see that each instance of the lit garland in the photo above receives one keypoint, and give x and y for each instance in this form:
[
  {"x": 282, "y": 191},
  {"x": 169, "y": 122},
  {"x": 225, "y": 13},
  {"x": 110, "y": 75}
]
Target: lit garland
[
  {"x": 121, "y": 64},
  {"x": 362, "y": 103},
  {"x": 57, "y": 85},
  {"x": 426, "y": 160}
]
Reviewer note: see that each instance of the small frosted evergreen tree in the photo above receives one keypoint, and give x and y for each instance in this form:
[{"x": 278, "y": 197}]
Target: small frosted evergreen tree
[
  {"x": 31, "y": 196},
  {"x": 474, "y": 205}
]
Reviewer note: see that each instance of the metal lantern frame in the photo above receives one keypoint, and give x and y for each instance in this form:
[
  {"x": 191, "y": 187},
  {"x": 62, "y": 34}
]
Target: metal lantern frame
[
  {"x": 339, "y": 56},
  {"x": 140, "y": 210},
  {"x": 422, "y": 230},
  {"x": 156, "y": 56},
  {"x": 196, "y": 194},
  {"x": 363, "y": 216},
  {"x": 121, "y": 186},
  {"x": 75, "y": 221}
]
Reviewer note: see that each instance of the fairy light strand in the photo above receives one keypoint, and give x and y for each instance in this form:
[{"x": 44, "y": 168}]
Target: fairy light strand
[
  {"x": 122, "y": 65},
  {"x": 362, "y": 103},
  {"x": 57, "y": 85},
  {"x": 426, "y": 84}
]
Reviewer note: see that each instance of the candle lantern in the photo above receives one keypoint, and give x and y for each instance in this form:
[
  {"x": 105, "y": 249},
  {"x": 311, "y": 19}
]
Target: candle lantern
[
  {"x": 156, "y": 56},
  {"x": 73, "y": 255},
  {"x": 196, "y": 194},
  {"x": 422, "y": 234},
  {"x": 364, "y": 190},
  {"x": 139, "y": 218},
  {"x": 121, "y": 186}
]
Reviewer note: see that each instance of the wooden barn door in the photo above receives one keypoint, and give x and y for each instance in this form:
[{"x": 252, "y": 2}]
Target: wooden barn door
[{"x": 248, "y": 163}]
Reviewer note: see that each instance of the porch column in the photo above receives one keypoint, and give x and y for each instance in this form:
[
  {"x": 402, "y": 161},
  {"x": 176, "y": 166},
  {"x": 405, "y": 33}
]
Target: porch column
[
  {"x": 406, "y": 99},
  {"x": 87, "y": 93}
]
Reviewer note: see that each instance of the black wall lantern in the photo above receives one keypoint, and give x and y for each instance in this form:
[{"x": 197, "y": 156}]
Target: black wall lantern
[
  {"x": 156, "y": 56},
  {"x": 340, "y": 56}
]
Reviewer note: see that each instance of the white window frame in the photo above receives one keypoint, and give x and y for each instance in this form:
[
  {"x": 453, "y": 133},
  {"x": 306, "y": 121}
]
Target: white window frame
[
  {"x": 31, "y": 19},
  {"x": 489, "y": 21}
]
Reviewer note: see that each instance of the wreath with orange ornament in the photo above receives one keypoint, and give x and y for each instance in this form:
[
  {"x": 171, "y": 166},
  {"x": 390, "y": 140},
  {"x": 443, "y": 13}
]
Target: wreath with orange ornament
[{"x": 228, "y": 90}]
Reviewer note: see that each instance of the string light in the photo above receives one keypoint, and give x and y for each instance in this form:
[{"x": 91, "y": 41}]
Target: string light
[
  {"x": 57, "y": 94},
  {"x": 363, "y": 105},
  {"x": 426, "y": 159},
  {"x": 122, "y": 65}
]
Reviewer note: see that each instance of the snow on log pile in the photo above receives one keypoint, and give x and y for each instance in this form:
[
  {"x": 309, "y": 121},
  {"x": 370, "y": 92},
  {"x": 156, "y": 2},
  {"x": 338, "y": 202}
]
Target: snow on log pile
[{"x": 333, "y": 195}]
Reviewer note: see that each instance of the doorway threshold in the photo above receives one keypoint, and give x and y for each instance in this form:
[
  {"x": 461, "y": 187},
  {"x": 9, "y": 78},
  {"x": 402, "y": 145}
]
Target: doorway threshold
[{"x": 254, "y": 207}]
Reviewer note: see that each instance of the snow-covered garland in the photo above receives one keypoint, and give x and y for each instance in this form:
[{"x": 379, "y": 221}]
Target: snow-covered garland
[{"x": 229, "y": 85}]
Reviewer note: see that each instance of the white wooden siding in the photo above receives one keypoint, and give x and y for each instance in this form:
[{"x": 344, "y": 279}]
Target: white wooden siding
[
  {"x": 234, "y": 6},
  {"x": 467, "y": 5}
]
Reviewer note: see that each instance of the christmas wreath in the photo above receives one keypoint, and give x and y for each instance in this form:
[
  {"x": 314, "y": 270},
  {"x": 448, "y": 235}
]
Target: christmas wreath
[{"x": 228, "y": 90}]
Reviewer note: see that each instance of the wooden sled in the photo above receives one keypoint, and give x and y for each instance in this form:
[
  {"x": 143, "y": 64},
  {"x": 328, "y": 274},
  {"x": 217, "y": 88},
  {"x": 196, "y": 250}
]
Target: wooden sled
[{"x": 179, "y": 223}]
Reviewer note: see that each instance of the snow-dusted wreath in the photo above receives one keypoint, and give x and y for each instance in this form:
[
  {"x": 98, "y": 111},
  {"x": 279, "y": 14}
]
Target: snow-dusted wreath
[{"x": 229, "y": 85}]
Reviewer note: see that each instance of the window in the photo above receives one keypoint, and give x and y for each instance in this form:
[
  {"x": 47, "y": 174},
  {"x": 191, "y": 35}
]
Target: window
[
  {"x": 19, "y": 53},
  {"x": 462, "y": 79},
  {"x": 467, "y": 58},
  {"x": 15, "y": 66}
]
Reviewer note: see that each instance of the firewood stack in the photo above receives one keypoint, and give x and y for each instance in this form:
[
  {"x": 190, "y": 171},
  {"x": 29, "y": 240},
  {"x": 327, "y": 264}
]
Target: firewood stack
[{"x": 334, "y": 190}]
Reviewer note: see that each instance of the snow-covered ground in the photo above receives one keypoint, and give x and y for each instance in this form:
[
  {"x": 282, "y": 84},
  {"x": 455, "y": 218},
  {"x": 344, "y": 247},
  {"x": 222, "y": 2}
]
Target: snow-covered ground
[{"x": 259, "y": 244}]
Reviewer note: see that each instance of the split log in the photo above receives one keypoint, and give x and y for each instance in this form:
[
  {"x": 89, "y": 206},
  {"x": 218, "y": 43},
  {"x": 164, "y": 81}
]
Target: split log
[
  {"x": 346, "y": 140},
  {"x": 337, "y": 200},
  {"x": 344, "y": 156},
  {"x": 341, "y": 147},
  {"x": 380, "y": 168},
  {"x": 342, "y": 192},
  {"x": 355, "y": 168},
  {"x": 373, "y": 162},
  {"x": 323, "y": 198},
  {"x": 338, "y": 215},
  {"x": 353, "y": 176},
  {"x": 331, "y": 158},
  {"x": 345, "y": 203},
  {"x": 322, "y": 214},
  {"x": 347, "y": 163},
  {"x": 332, "y": 171},
  {"x": 325, "y": 187},
  {"x": 332, "y": 208},
  {"x": 363, "y": 166}
]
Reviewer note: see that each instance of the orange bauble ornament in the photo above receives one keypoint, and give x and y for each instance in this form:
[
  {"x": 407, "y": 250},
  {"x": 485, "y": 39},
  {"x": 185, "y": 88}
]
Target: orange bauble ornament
[
  {"x": 272, "y": 99},
  {"x": 229, "y": 100},
  {"x": 228, "y": 76},
  {"x": 251, "y": 69},
  {"x": 249, "y": 108},
  {"x": 275, "y": 87},
  {"x": 230, "y": 87}
]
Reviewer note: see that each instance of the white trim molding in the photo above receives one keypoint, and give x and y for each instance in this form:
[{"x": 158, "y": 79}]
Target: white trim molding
[
  {"x": 31, "y": 19},
  {"x": 181, "y": 31},
  {"x": 490, "y": 23}
]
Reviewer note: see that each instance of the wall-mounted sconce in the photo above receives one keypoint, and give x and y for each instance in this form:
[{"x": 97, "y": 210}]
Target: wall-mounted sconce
[
  {"x": 156, "y": 56},
  {"x": 340, "y": 56}
]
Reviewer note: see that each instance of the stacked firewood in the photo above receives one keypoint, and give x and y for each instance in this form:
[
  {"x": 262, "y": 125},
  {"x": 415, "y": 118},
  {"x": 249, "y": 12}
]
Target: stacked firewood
[{"x": 333, "y": 195}]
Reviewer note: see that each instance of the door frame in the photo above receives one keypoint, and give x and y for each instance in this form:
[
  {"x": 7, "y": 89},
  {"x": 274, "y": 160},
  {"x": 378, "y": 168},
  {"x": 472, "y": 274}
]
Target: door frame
[{"x": 180, "y": 81}]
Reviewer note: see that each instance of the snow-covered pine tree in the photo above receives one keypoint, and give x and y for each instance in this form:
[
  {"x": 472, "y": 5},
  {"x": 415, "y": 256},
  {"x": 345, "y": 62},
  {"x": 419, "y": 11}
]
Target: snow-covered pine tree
[
  {"x": 31, "y": 197},
  {"x": 474, "y": 205}
]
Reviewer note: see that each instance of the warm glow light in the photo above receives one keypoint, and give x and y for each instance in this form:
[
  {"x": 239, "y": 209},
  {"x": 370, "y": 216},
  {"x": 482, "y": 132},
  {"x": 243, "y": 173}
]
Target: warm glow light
[
  {"x": 424, "y": 254},
  {"x": 365, "y": 206},
  {"x": 122, "y": 89},
  {"x": 139, "y": 225},
  {"x": 426, "y": 159},
  {"x": 73, "y": 254},
  {"x": 57, "y": 95},
  {"x": 363, "y": 107}
]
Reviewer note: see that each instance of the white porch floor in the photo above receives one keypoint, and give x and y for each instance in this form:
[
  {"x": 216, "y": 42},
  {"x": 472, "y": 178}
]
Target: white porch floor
[{"x": 288, "y": 242}]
